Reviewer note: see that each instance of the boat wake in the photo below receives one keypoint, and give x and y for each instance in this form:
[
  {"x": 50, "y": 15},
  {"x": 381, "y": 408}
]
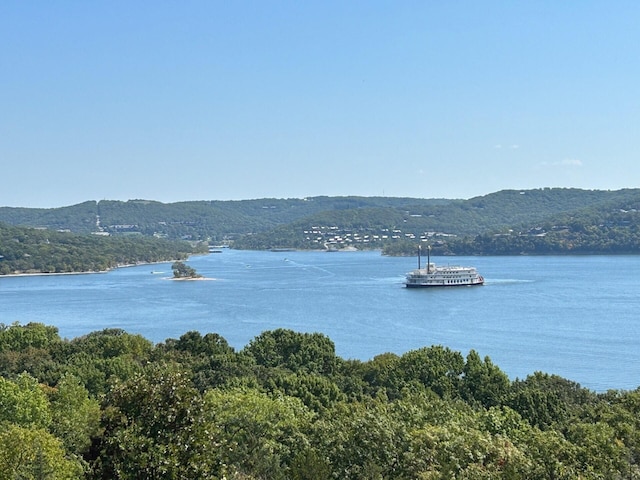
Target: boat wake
[
  {"x": 328, "y": 273},
  {"x": 505, "y": 281}
]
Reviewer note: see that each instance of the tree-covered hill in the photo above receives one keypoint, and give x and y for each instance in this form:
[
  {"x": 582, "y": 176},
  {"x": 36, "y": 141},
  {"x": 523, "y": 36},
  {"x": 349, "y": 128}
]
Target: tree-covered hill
[
  {"x": 112, "y": 405},
  {"x": 79, "y": 218},
  {"x": 30, "y": 250},
  {"x": 611, "y": 226},
  {"x": 196, "y": 220},
  {"x": 509, "y": 221},
  {"x": 512, "y": 207}
]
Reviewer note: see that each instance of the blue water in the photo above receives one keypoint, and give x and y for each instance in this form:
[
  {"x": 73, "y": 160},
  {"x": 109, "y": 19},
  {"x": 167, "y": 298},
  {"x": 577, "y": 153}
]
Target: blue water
[{"x": 573, "y": 316}]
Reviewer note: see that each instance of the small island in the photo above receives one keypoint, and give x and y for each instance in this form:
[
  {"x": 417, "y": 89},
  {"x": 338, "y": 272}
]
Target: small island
[{"x": 185, "y": 272}]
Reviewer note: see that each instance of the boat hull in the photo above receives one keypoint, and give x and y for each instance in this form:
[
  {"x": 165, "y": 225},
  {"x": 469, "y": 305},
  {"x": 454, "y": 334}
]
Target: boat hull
[{"x": 442, "y": 284}]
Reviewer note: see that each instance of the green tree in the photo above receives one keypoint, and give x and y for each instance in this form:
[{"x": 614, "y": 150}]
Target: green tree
[
  {"x": 16, "y": 337},
  {"x": 257, "y": 435},
  {"x": 153, "y": 429},
  {"x": 546, "y": 400},
  {"x": 551, "y": 456},
  {"x": 383, "y": 373},
  {"x": 210, "y": 359},
  {"x": 308, "y": 352},
  {"x": 180, "y": 270},
  {"x": 460, "y": 450},
  {"x": 34, "y": 454},
  {"x": 599, "y": 448},
  {"x": 75, "y": 416},
  {"x": 29, "y": 348},
  {"x": 362, "y": 440},
  {"x": 103, "y": 356},
  {"x": 483, "y": 381},
  {"x": 317, "y": 392},
  {"x": 24, "y": 402},
  {"x": 209, "y": 345},
  {"x": 436, "y": 367}
]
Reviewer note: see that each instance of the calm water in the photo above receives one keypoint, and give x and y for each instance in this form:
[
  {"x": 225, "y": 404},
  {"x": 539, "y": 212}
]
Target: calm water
[{"x": 573, "y": 316}]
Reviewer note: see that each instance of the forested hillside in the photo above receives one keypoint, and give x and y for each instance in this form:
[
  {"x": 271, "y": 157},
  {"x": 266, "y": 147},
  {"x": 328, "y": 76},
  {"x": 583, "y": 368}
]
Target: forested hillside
[
  {"x": 607, "y": 227},
  {"x": 112, "y": 405},
  {"x": 541, "y": 221},
  {"x": 198, "y": 220},
  {"x": 29, "y": 250},
  {"x": 79, "y": 218},
  {"x": 546, "y": 221}
]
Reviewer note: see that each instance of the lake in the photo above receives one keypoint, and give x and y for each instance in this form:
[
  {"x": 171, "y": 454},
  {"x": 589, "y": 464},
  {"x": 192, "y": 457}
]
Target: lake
[{"x": 575, "y": 316}]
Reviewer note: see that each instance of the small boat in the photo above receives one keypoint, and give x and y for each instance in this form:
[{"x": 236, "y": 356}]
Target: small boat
[{"x": 448, "y": 276}]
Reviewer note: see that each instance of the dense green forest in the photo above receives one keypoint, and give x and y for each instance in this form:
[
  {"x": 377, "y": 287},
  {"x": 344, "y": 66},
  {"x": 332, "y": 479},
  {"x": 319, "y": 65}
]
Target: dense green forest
[
  {"x": 198, "y": 220},
  {"x": 546, "y": 221},
  {"x": 613, "y": 227},
  {"x": 541, "y": 221},
  {"x": 30, "y": 250},
  {"x": 112, "y": 405}
]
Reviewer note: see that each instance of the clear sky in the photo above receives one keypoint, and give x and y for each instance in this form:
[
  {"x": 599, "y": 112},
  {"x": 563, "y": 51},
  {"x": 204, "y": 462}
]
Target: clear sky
[{"x": 206, "y": 100}]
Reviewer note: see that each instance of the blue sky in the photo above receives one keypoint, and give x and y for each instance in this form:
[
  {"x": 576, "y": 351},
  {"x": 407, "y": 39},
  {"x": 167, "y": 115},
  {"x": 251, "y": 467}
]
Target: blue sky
[{"x": 203, "y": 100}]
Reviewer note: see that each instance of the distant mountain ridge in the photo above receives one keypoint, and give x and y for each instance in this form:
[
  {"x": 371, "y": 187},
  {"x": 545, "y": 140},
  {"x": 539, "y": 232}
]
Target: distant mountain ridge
[
  {"x": 371, "y": 222},
  {"x": 196, "y": 219}
]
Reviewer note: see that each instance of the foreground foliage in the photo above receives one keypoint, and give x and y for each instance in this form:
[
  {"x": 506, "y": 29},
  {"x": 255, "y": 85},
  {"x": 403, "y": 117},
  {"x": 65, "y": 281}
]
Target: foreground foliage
[{"x": 111, "y": 405}]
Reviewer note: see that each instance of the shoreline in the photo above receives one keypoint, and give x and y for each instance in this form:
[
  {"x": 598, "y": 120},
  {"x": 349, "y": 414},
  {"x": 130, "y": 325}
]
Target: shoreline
[
  {"x": 188, "y": 279},
  {"x": 89, "y": 272},
  {"x": 49, "y": 274}
]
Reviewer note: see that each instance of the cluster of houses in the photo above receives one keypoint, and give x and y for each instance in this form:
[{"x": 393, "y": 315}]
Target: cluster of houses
[{"x": 339, "y": 238}]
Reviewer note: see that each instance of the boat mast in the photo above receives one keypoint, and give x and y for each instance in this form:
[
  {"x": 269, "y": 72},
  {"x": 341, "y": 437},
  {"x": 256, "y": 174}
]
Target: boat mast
[
  {"x": 428, "y": 258},
  {"x": 419, "y": 251}
]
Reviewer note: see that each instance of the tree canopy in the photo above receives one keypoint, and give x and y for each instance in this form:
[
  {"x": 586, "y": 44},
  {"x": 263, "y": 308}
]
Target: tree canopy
[
  {"x": 111, "y": 405},
  {"x": 181, "y": 270}
]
